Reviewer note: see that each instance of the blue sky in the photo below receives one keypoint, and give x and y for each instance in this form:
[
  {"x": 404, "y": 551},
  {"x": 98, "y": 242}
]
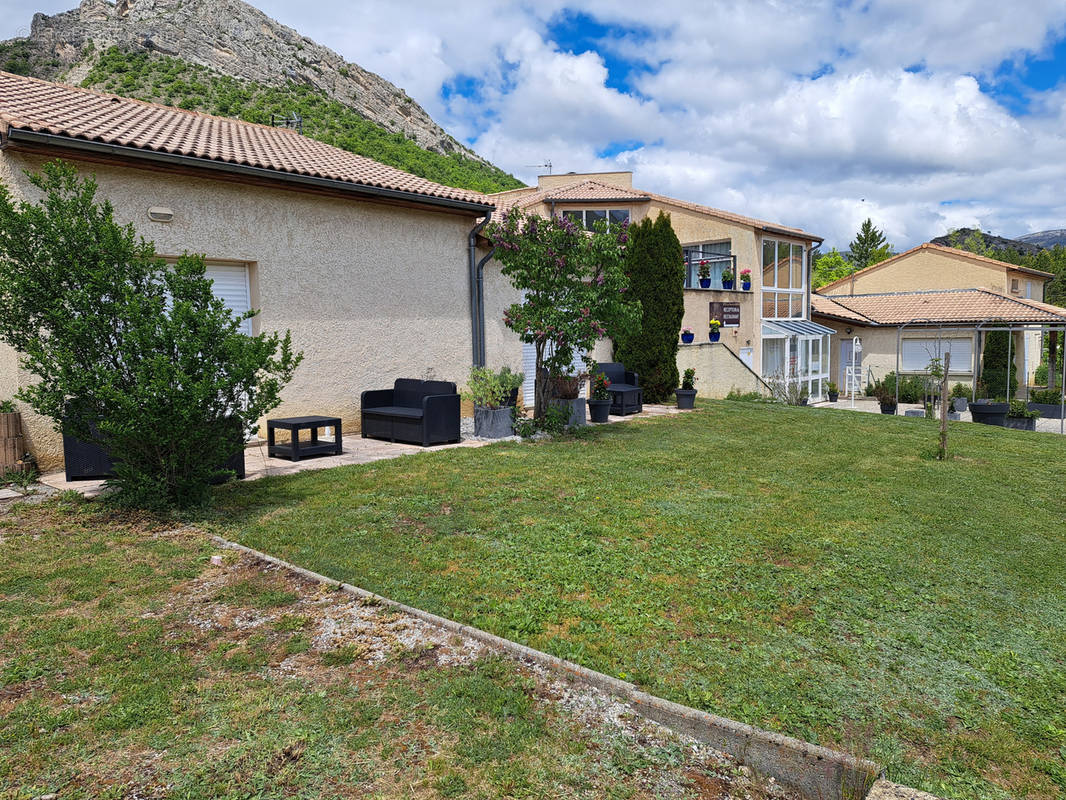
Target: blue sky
[{"x": 922, "y": 115}]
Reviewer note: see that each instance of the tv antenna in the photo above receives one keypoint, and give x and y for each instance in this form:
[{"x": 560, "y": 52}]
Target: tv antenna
[{"x": 546, "y": 165}]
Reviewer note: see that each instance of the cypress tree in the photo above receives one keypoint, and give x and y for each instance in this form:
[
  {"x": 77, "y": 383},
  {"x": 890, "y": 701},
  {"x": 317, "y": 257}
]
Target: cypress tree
[
  {"x": 656, "y": 278},
  {"x": 994, "y": 365}
]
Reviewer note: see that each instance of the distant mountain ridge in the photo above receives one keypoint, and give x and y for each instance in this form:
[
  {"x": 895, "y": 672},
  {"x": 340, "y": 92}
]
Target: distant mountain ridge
[
  {"x": 957, "y": 237},
  {"x": 1045, "y": 239},
  {"x": 229, "y": 58}
]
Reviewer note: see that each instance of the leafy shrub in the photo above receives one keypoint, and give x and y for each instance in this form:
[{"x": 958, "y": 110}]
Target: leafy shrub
[
  {"x": 747, "y": 397},
  {"x": 912, "y": 389},
  {"x": 7, "y": 407},
  {"x": 994, "y": 368},
  {"x": 1040, "y": 375},
  {"x": 129, "y": 352},
  {"x": 488, "y": 389},
  {"x": 1020, "y": 410},
  {"x": 1046, "y": 396},
  {"x": 960, "y": 390},
  {"x": 689, "y": 381},
  {"x": 600, "y": 387}
]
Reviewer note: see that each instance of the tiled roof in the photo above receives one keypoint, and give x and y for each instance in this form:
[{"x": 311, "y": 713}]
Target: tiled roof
[
  {"x": 34, "y": 105},
  {"x": 939, "y": 248},
  {"x": 591, "y": 190},
  {"x": 944, "y": 306}
]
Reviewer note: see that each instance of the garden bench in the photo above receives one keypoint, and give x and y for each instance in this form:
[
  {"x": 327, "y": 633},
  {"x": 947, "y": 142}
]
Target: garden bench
[{"x": 412, "y": 411}]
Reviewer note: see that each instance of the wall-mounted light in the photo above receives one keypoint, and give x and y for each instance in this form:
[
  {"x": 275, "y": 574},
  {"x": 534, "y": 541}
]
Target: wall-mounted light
[
  {"x": 847, "y": 331},
  {"x": 160, "y": 214}
]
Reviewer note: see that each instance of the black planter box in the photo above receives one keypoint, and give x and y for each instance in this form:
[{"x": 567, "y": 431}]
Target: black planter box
[
  {"x": 1020, "y": 423},
  {"x": 1047, "y": 410},
  {"x": 989, "y": 413},
  {"x": 888, "y": 408}
]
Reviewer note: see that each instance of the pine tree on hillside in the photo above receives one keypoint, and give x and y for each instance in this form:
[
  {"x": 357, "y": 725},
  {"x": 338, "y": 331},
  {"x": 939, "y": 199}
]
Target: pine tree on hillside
[
  {"x": 654, "y": 264},
  {"x": 869, "y": 246}
]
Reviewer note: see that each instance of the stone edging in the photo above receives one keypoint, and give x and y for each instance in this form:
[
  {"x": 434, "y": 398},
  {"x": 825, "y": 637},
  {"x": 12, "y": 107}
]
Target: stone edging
[{"x": 814, "y": 771}]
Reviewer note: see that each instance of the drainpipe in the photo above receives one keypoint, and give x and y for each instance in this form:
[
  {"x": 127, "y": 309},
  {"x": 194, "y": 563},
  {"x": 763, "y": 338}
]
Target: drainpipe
[
  {"x": 477, "y": 316},
  {"x": 481, "y": 305}
]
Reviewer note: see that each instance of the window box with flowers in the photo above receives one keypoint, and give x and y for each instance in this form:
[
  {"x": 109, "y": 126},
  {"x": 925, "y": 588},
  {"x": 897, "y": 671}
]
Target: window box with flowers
[
  {"x": 687, "y": 335},
  {"x": 686, "y": 395},
  {"x": 745, "y": 280},
  {"x": 600, "y": 402},
  {"x": 715, "y": 332}
]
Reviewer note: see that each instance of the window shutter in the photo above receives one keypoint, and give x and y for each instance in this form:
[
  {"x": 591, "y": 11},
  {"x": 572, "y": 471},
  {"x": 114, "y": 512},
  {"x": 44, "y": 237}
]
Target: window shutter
[
  {"x": 230, "y": 285},
  {"x": 529, "y": 368}
]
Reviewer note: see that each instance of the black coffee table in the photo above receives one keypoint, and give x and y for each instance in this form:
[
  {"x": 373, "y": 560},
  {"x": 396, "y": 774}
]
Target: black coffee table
[{"x": 296, "y": 449}]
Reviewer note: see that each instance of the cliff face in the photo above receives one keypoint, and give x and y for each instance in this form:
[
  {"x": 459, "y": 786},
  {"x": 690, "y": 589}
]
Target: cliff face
[{"x": 228, "y": 36}]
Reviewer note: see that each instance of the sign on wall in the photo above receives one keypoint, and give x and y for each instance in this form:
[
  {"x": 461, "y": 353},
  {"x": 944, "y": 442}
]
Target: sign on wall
[{"x": 727, "y": 313}]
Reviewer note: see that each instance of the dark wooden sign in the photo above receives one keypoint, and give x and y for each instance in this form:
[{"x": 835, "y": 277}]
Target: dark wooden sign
[{"x": 727, "y": 313}]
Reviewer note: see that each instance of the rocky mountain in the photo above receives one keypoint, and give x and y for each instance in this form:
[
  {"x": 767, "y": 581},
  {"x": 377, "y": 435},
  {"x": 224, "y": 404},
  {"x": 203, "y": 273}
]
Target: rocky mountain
[
  {"x": 225, "y": 56},
  {"x": 1045, "y": 239},
  {"x": 992, "y": 242}
]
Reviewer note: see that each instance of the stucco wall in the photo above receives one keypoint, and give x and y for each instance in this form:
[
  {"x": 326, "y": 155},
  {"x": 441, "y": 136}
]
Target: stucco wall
[
  {"x": 927, "y": 269},
  {"x": 718, "y": 370},
  {"x": 370, "y": 292}
]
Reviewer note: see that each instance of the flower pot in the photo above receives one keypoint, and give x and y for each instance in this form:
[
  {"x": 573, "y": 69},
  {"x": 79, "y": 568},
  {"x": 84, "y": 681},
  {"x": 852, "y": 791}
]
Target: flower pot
[
  {"x": 1020, "y": 423},
  {"x": 833, "y": 396},
  {"x": 959, "y": 404},
  {"x": 803, "y": 401},
  {"x": 705, "y": 283},
  {"x": 599, "y": 409},
  {"x": 688, "y": 337},
  {"x": 746, "y": 286},
  {"x": 727, "y": 284},
  {"x": 715, "y": 335},
  {"x": 493, "y": 423},
  {"x": 889, "y": 407},
  {"x": 576, "y": 406},
  {"x": 686, "y": 398},
  {"x": 988, "y": 413}
]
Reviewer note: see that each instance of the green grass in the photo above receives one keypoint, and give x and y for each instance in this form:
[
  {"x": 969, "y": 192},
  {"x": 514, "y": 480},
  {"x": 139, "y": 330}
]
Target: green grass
[
  {"x": 111, "y": 686},
  {"x": 813, "y": 572},
  {"x": 174, "y": 82}
]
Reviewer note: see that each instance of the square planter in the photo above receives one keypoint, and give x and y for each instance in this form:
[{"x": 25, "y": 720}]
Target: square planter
[
  {"x": 1047, "y": 410},
  {"x": 576, "y": 406},
  {"x": 493, "y": 423},
  {"x": 1020, "y": 423},
  {"x": 989, "y": 413}
]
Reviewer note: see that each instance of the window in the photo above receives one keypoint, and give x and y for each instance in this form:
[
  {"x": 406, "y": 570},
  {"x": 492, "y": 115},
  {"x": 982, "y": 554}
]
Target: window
[
  {"x": 1028, "y": 290},
  {"x": 915, "y": 354},
  {"x": 230, "y": 285},
  {"x": 587, "y": 218},
  {"x": 784, "y": 280},
  {"x": 1014, "y": 285},
  {"x": 718, "y": 256}
]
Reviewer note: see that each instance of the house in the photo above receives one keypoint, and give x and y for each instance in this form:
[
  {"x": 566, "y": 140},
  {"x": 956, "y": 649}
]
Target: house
[
  {"x": 927, "y": 301},
  {"x": 368, "y": 266},
  {"x": 767, "y": 333}
]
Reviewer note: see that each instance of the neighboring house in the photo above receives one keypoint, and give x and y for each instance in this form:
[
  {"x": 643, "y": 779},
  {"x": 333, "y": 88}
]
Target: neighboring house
[
  {"x": 932, "y": 298},
  {"x": 369, "y": 267},
  {"x": 767, "y": 332}
]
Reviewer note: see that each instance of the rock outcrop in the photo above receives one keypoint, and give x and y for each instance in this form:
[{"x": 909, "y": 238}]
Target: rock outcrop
[{"x": 234, "y": 39}]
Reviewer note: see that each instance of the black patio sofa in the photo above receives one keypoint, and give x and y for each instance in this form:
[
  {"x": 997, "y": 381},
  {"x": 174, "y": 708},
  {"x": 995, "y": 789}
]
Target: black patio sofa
[
  {"x": 626, "y": 395},
  {"x": 412, "y": 411}
]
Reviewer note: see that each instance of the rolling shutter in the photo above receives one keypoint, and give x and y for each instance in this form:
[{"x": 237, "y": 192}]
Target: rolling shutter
[{"x": 230, "y": 285}]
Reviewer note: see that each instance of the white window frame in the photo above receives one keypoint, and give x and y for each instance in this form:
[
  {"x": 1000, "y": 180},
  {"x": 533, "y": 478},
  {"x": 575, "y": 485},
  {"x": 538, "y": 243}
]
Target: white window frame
[
  {"x": 571, "y": 212},
  {"x": 789, "y": 290},
  {"x": 917, "y": 351}
]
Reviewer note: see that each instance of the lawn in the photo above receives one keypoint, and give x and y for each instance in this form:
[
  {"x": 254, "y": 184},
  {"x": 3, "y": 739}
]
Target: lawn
[
  {"x": 813, "y": 572},
  {"x": 131, "y": 665}
]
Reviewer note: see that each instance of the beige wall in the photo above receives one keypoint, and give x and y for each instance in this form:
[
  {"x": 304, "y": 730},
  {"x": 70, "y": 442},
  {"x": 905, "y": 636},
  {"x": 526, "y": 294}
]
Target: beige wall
[
  {"x": 370, "y": 292},
  {"x": 622, "y": 180},
  {"x": 719, "y": 369},
  {"x": 932, "y": 269}
]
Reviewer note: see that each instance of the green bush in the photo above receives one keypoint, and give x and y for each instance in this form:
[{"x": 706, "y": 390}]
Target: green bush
[
  {"x": 911, "y": 388},
  {"x": 1040, "y": 375},
  {"x": 960, "y": 390},
  {"x": 1047, "y": 396},
  {"x": 654, "y": 264},
  {"x": 129, "y": 351},
  {"x": 489, "y": 389},
  {"x": 994, "y": 367}
]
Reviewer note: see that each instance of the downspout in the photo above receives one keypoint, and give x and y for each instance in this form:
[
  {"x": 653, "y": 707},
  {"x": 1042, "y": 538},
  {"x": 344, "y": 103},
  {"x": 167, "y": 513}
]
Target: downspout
[
  {"x": 477, "y": 317},
  {"x": 481, "y": 305}
]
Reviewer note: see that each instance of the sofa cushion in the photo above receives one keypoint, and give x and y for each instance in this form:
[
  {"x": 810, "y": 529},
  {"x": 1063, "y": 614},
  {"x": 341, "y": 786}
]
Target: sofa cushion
[
  {"x": 395, "y": 411},
  {"x": 409, "y": 392},
  {"x": 615, "y": 372},
  {"x": 622, "y": 387}
]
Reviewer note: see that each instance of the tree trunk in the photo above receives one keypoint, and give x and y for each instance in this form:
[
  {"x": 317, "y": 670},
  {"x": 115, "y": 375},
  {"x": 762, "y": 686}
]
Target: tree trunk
[
  {"x": 942, "y": 450},
  {"x": 540, "y": 384},
  {"x": 1052, "y": 359}
]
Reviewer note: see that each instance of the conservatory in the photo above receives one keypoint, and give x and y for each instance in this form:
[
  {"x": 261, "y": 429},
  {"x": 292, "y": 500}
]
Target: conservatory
[{"x": 795, "y": 352}]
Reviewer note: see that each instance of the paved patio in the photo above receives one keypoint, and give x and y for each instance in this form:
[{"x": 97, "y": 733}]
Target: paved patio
[{"x": 357, "y": 450}]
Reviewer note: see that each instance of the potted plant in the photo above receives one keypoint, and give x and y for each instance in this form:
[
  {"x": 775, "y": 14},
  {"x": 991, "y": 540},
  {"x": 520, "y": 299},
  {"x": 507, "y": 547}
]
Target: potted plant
[
  {"x": 886, "y": 396},
  {"x": 686, "y": 395},
  {"x": 745, "y": 279},
  {"x": 705, "y": 275},
  {"x": 687, "y": 335},
  {"x": 565, "y": 391},
  {"x": 715, "y": 333},
  {"x": 494, "y": 395},
  {"x": 727, "y": 278},
  {"x": 803, "y": 396},
  {"x": 600, "y": 402},
  {"x": 960, "y": 397},
  {"x": 989, "y": 412},
  {"x": 1020, "y": 417},
  {"x": 831, "y": 390}
]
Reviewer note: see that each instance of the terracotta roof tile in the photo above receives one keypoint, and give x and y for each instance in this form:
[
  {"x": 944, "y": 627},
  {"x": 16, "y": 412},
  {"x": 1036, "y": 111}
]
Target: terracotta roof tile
[
  {"x": 35, "y": 105},
  {"x": 594, "y": 191},
  {"x": 944, "y": 306}
]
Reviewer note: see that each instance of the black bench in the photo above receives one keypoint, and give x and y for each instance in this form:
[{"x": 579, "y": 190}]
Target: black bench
[
  {"x": 295, "y": 449},
  {"x": 412, "y": 411},
  {"x": 626, "y": 395}
]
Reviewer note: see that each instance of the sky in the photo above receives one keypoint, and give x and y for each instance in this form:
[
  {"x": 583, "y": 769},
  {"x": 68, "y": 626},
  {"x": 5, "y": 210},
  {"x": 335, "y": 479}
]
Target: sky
[{"x": 923, "y": 115}]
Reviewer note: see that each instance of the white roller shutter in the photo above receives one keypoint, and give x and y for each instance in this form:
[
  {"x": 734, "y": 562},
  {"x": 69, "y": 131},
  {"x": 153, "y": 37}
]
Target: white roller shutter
[
  {"x": 915, "y": 354},
  {"x": 529, "y": 369},
  {"x": 230, "y": 285}
]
